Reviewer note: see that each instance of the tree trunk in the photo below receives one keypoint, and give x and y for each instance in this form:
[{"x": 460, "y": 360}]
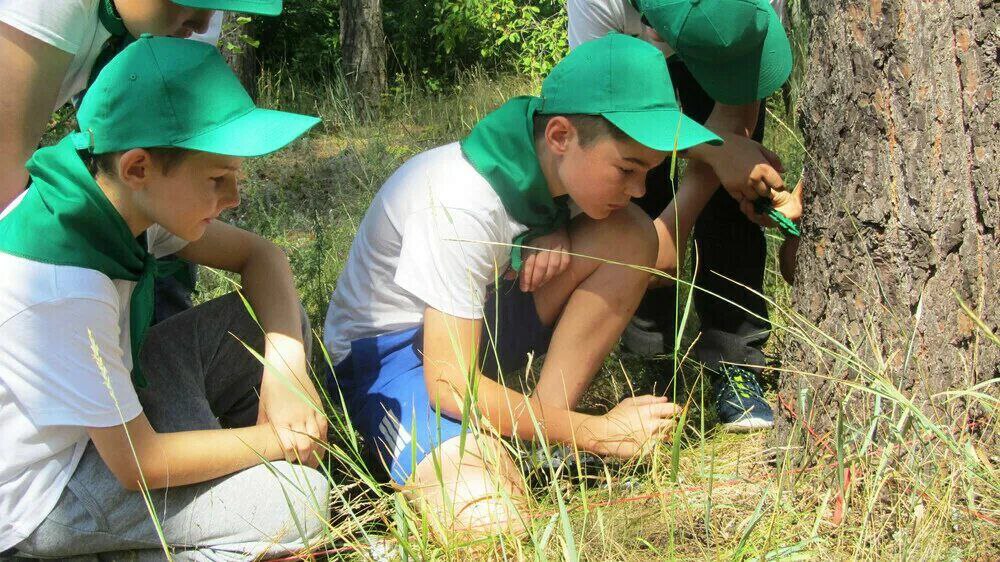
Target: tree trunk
[
  {"x": 364, "y": 51},
  {"x": 900, "y": 117},
  {"x": 236, "y": 45}
]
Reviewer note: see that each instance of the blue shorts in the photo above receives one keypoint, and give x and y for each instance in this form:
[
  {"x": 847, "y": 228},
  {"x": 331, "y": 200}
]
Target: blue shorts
[{"x": 382, "y": 382}]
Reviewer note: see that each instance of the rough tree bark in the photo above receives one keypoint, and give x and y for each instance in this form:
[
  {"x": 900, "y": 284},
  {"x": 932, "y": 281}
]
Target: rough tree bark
[
  {"x": 364, "y": 52},
  {"x": 900, "y": 116},
  {"x": 243, "y": 57}
]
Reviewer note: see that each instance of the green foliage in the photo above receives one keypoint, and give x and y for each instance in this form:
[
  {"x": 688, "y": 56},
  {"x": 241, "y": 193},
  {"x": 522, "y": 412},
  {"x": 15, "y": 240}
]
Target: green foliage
[
  {"x": 234, "y": 37},
  {"x": 431, "y": 40},
  {"x": 528, "y": 37},
  {"x": 305, "y": 38}
]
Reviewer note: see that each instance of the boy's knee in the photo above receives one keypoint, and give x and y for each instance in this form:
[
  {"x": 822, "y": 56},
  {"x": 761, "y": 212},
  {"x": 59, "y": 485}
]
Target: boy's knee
[
  {"x": 633, "y": 236},
  {"x": 491, "y": 516},
  {"x": 299, "y": 498},
  {"x": 313, "y": 503},
  {"x": 470, "y": 492}
]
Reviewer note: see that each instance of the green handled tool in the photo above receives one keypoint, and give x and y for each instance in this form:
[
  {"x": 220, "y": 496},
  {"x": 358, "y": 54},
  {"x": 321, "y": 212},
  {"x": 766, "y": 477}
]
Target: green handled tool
[{"x": 762, "y": 206}]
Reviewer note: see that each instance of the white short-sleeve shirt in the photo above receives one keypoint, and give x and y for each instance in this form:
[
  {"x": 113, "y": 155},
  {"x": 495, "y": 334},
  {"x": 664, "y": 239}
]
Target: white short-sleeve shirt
[
  {"x": 436, "y": 235},
  {"x": 73, "y": 26},
  {"x": 51, "y": 389}
]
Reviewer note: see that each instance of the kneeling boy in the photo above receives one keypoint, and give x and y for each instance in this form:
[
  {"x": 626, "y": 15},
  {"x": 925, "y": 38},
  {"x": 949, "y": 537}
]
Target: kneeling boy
[
  {"x": 88, "y": 421},
  {"x": 424, "y": 284}
]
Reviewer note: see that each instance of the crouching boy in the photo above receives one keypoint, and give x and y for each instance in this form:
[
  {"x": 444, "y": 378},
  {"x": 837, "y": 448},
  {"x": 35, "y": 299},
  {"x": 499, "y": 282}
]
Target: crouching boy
[
  {"x": 425, "y": 286},
  {"x": 87, "y": 419}
]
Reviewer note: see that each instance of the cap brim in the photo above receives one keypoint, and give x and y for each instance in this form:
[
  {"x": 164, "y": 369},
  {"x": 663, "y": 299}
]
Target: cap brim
[
  {"x": 259, "y": 132},
  {"x": 748, "y": 78},
  {"x": 662, "y": 129},
  {"x": 262, "y": 7}
]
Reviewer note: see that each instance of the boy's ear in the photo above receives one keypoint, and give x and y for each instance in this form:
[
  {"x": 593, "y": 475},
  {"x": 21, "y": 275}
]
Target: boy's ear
[
  {"x": 559, "y": 134},
  {"x": 135, "y": 167}
]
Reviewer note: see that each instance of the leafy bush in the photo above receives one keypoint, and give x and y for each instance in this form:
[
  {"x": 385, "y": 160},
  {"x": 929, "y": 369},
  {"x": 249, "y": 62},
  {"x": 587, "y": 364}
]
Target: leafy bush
[
  {"x": 433, "y": 39},
  {"x": 525, "y": 36},
  {"x": 305, "y": 37}
]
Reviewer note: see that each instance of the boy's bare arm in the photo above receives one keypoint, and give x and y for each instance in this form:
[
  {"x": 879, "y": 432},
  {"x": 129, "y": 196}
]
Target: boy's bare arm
[
  {"x": 33, "y": 74},
  {"x": 451, "y": 371},
  {"x": 288, "y": 396},
  {"x": 186, "y": 457},
  {"x": 674, "y": 225},
  {"x": 746, "y": 169}
]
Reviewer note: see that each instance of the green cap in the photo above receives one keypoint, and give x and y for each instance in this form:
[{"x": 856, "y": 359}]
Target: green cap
[
  {"x": 737, "y": 50},
  {"x": 262, "y": 7},
  {"x": 164, "y": 91},
  {"x": 625, "y": 80}
]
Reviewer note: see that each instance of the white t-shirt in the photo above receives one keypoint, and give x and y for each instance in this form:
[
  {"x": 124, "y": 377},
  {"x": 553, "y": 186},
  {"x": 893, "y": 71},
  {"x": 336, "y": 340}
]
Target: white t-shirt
[
  {"x": 436, "y": 235},
  {"x": 72, "y": 26},
  {"x": 50, "y": 387},
  {"x": 593, "y": 19}
]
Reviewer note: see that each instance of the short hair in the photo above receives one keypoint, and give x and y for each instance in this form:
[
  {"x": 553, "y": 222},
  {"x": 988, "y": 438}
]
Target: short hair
[
  {"x": 589, "y": 127},
  {"x": 167, "y": 157}
]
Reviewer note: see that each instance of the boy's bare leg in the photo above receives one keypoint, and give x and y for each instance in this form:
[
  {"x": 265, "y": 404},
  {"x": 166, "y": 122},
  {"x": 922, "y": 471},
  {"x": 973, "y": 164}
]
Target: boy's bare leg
[
  {"x": 592, "y": 301},
  {"x": 480, "y": 490},
  {"x": 472, "y": 492}
]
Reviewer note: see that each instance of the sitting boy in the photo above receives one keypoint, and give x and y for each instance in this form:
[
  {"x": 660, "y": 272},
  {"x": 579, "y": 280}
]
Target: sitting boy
[
  {"x": 89, "y": 423},
  {"x": 424, "y": 287},
  {"x": 53, "y": 50}
]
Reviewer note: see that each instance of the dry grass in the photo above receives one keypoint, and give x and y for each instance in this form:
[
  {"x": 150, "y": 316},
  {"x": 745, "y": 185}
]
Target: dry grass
[
  {"x": 919, "y": 488},
  {"x": 894, "y": 482}
]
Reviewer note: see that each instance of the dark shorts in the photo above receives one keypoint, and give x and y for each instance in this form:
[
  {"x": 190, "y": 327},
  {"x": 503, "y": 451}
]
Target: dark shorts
[{"x": 382, "y": 382}]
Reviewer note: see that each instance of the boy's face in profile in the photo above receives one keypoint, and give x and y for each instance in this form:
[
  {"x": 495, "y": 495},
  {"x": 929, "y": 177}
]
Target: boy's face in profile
[
  {"x": 188, "y": 196},
  {"x": 603, "y": 176},
  {"x": 162, "y": 17}
]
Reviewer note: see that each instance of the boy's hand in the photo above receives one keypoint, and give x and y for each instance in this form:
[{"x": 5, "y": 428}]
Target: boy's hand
[
  {"x": 745, "y": 169},
  {"x": 285, "y": 439},
  {"x": 289, "y": 401},
  {"x": 788, "y": 203},
  {"x": 631, "y": 426},
  {"x": 541, "y": 266},
  {"x": 301, "y": 430},
  {"x": 788, "y": 255}
]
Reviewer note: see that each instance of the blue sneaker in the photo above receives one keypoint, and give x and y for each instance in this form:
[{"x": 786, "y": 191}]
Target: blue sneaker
[{"x": 740, "y": 400}]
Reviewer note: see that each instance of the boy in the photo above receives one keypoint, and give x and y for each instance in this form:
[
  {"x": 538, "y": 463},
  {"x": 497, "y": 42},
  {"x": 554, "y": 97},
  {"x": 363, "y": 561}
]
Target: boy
[
  {"x": 52, "y": 50},
  {"x": 724, "y": 57},
  {"x": 423, "y": 286},
  {"x": 88, "y": 420}
]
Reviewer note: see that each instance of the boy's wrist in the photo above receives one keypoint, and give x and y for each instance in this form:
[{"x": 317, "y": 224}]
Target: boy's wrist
[
  {"x": 588, "y": 434},
  {"x": 267, "y": 439}
]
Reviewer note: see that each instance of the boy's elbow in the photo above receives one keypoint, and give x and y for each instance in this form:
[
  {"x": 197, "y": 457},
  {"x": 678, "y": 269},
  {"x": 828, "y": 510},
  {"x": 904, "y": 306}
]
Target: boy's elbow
[
  {"x": 136, "y": 474},
  {"x": 263, "y": 252},
  {"x": 268, "y": 248},
  {"x": 130, "y": 478},
  {"x": 443, "y": 396},
  {"x": 666, "y": 263},
  {"x": 131, "y": 484},
  {"x": 669, "y": 269}
]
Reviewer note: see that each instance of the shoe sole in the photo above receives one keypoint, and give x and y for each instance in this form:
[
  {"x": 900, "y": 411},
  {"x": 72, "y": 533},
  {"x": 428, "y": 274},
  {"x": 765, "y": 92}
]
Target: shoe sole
[{"x": 748, "y": 425}]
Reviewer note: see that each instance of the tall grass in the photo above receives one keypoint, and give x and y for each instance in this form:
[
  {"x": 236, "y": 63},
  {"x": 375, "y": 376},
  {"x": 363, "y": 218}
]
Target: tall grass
[{"x": 890, "y": 481}]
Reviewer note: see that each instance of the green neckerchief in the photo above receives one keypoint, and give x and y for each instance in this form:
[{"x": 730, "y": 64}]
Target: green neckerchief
[
  {"x": 65, "y": 219},
  {"x": 120, "y": 38},
  {"x": 501, "y": 148}
]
